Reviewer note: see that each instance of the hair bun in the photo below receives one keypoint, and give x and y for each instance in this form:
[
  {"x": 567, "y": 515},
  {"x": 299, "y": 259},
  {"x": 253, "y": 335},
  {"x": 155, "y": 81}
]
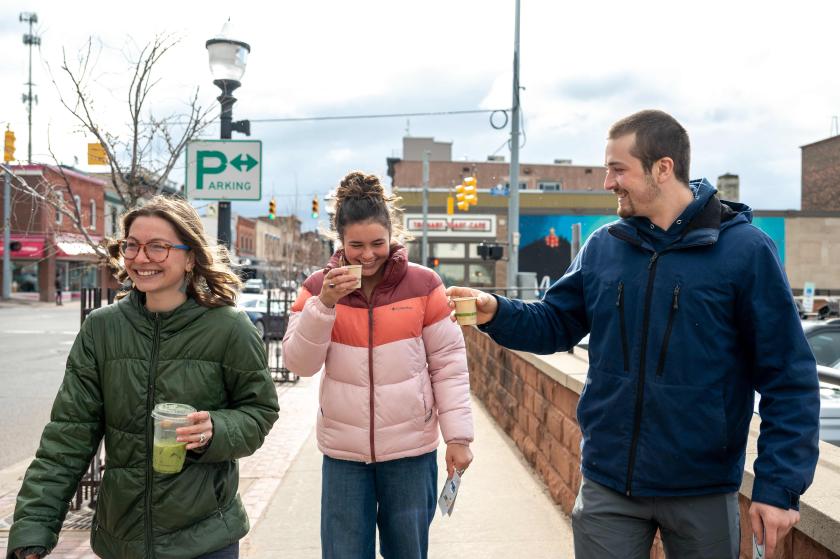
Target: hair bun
[{"x": 359, "y": 185}]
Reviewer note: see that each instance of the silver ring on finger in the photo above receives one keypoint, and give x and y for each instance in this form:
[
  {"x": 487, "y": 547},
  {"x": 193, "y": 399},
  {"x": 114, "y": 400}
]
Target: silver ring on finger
[
  {"x": 331, "y": 285},
  {"x": 202, "y": 438}
]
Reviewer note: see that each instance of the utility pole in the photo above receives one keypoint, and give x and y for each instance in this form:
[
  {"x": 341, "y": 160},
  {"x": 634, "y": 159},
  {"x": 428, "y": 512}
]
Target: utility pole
[
  {"x": 30, "y": 39},
  {"x": 424, "y": 250},
  {"x": 513, "y": 202},
  {"x": 7, "y": 229}
]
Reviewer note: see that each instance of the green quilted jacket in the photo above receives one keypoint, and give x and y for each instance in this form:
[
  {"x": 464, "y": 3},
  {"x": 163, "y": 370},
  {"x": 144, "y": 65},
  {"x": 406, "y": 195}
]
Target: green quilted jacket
[{"x": 124, "y": 361}]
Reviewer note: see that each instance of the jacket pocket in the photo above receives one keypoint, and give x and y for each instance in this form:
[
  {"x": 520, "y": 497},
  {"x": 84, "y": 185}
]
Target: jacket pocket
[
  {"x": 622, "y": 325},
  {"x": 683, "y": 441},
  {"x": 675, "y": 305},
  {"x": 605, "y": 416}
]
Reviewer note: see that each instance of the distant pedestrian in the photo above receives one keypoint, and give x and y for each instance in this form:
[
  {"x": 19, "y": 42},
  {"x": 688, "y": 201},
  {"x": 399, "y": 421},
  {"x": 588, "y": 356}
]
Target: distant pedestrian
[
  {"x": 174, "y": 337},
  {"x": 394, "y": 367},
  {"x": 58, "y": 287},
  {"x": 689, "y": 314}
]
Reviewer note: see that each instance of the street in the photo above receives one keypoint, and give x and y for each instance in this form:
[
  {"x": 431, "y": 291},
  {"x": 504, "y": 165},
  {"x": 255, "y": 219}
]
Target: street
[{"x": 34, "y": 343}]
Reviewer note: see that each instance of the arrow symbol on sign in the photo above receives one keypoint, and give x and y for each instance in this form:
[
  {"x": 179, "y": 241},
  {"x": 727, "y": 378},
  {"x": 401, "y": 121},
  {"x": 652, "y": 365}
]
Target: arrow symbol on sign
[{"x": 249, "y": 162}]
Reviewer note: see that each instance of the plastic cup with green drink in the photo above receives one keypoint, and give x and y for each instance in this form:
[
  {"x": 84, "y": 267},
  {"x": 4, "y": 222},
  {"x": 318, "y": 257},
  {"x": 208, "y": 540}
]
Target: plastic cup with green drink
[{"x": 167, "y": 453}]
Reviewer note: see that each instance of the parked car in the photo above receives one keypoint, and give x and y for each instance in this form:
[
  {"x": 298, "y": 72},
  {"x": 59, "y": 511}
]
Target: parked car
[
  {"x": 254, "y": 285},
  {"x": 824, "y": 338},
  {"x": 829, "y": 404},
  {"x": 274, "y": 324}
]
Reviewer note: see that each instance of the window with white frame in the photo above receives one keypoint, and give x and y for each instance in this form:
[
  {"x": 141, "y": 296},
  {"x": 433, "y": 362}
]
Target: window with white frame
[
  {"x": 93, "y": 215},
  {"x": 59, "y": 216},
  {"x": 77, "y": 200},
  {"x": 551, "y": 186}
]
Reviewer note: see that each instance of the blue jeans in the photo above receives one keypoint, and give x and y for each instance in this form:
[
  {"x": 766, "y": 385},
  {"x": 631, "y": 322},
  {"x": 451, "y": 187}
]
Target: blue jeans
[
  {"x": 399, "y": 496},
  {"x": 229, "y": 552}
]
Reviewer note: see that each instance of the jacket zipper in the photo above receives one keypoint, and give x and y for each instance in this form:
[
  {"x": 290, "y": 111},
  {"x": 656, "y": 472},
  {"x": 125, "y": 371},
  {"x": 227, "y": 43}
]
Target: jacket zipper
[
  {"x": 675, "y": 305},
  {"x": 620, "y": 304},
  {"x": 150, "y": 401},
  {"x": 370, "y": 377},
  {"x": 640, "y": 388}
]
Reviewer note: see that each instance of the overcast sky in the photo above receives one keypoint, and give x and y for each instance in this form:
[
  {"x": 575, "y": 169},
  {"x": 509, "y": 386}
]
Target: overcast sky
[{"x": 751, "y": 83}]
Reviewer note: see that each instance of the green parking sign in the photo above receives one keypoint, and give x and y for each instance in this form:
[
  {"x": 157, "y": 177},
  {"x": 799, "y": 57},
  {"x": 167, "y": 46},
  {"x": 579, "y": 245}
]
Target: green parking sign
[{"x": 224, "y": 170}]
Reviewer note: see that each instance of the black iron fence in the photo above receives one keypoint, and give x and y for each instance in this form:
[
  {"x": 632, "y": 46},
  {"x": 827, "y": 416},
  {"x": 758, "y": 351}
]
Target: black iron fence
[{"x": 88, "y": 488}]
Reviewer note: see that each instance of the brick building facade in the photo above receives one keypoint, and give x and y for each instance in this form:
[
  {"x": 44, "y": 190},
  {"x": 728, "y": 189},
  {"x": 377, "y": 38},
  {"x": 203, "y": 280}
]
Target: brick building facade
[
  {"x": 821, "y": 175},
  {"x": 52, "y": 247}
]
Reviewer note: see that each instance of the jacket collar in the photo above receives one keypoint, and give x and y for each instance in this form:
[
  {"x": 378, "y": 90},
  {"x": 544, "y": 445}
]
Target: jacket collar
[
  {"x": 703, "y": 229},
  {"x": 395, "y": 267},
  {"x": 133, "y": 308}
]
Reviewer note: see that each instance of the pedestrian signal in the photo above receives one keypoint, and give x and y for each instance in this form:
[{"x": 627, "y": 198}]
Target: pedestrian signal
[
  {"x": 432, "y": 262},
  {"x": 9, "y": 146},
  {"x": 272, "y": 209},
  {"x": 315, "y": 208}
]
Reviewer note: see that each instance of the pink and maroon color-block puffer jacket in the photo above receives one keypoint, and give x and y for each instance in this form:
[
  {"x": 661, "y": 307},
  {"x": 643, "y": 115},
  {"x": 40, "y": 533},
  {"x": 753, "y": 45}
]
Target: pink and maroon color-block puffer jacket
[{"x": 394, "y": 366}]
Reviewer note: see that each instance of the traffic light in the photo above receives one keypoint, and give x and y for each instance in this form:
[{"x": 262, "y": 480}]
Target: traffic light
[
  {"x": 315, "y": 207},
  {"x": 471, "y": 190},
  {"x": 450, "y": 205},
  {"x": 466, "y": 194},
  {"x": 432, "y": 262},
  {"x": 9, "y": 146},
  {"x": 272, "y": 209}
]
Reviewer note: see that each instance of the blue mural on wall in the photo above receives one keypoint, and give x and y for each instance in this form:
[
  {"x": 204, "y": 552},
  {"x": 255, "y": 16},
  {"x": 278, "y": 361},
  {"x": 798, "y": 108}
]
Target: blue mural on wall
[{"x": 545, "y": 242}]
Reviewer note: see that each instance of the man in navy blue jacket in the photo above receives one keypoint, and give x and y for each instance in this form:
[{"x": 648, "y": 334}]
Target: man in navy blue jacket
[{"x": 689, "y": 313}]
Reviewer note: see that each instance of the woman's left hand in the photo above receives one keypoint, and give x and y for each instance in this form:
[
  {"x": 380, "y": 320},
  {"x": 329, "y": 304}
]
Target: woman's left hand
[
  {"x": 458, "y": 457},
  {"x": 198, "y": 434}
]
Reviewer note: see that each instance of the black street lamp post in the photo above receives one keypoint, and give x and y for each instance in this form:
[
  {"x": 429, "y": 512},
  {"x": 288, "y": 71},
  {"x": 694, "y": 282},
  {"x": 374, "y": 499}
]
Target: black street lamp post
[{"x": 228, "y": 58}]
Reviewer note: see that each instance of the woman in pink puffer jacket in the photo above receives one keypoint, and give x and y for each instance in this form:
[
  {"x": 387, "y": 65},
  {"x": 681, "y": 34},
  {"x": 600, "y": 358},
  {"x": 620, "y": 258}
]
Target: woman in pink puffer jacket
[{"x": 395, "y": 367}]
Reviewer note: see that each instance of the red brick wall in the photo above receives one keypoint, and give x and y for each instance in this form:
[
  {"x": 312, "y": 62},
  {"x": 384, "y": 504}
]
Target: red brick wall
[
  {"x": 821, "y": 175},
  {"x": 538, "y": 413},
  {"x": 488, "y": 174}
]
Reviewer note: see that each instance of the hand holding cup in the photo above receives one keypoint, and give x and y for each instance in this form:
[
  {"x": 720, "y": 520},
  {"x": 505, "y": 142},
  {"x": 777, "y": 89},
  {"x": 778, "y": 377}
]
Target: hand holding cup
[
  {"x": 485, "y": 305},
  {"x": 338, "y": 283}
]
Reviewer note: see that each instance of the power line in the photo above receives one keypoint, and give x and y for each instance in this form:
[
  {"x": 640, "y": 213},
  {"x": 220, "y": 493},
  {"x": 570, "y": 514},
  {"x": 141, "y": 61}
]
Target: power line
[{"x": 381, "y": 115}]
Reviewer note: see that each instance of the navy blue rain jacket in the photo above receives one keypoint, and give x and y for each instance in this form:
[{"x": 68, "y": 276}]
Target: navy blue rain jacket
[{"x": 683, "y": 329}]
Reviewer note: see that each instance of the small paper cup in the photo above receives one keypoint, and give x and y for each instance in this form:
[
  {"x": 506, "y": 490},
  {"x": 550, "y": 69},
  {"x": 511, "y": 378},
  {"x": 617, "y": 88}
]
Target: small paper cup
[
  {"x": 465, "y": 310},
  {"x": 356, "y": 270}
]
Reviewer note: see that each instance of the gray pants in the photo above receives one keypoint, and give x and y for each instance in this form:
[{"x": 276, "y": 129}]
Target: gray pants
[{"x": 610, "y": 525}]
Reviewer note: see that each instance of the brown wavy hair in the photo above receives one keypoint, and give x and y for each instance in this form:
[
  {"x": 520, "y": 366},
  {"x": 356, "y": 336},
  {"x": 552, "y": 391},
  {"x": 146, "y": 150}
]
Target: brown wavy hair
[
  {"x": 360, "y": 197},
  {"x": 212, "y": 282}
]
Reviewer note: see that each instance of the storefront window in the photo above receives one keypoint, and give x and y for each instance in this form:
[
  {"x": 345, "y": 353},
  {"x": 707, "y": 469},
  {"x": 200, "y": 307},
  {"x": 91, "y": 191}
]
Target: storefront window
[
  {"x": 481, "y": 275},
  {"x": 81, "y": 274},
  {"x": 25, "y": 277},
  {"x": 451, "y": 274},
  {"x": 448, "y": 250}
]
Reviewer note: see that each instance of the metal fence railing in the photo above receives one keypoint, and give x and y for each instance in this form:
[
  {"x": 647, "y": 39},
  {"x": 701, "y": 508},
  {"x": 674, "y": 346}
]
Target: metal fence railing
[{"x": 88, "y": 488}]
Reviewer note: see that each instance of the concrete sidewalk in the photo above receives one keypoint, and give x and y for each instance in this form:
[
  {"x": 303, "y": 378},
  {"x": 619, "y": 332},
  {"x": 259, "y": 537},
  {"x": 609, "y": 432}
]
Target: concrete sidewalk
[{"x": 502, "y": 510}]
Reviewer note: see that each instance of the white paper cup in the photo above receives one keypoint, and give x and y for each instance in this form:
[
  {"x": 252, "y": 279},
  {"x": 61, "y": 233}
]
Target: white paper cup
[
  {"x": 465, "y": 310},
  {"x": 356, "y": 270}
]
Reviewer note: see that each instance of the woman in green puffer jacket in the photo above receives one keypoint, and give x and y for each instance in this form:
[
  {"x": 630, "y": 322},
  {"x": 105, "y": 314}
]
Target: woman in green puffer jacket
[{"x": 175, "y": 337}]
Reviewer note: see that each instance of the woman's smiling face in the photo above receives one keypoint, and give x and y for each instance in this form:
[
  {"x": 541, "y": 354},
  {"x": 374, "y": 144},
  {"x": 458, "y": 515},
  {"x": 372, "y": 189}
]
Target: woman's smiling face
[
  {"x": 157, "y": 278},
  {"x": 367, "y": 243}
]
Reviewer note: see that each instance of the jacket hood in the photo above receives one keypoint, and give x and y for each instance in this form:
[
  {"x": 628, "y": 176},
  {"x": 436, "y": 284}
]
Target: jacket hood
[
  {"x": 133, "y": 308},
  {"x": 395, "y": 267}
]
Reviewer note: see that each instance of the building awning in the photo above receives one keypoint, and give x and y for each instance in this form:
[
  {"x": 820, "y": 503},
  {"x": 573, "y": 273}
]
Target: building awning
[
  {"x": 74, "y": 245},
  {"x": 31, "y": 246}
]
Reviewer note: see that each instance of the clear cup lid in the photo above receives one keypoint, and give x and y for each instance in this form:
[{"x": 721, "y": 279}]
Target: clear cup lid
[{"x": 172, "y": 410}]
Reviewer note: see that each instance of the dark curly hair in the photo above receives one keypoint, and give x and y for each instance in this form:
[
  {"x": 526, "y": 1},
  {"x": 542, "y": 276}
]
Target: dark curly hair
[{"x": 361, "y": 197}]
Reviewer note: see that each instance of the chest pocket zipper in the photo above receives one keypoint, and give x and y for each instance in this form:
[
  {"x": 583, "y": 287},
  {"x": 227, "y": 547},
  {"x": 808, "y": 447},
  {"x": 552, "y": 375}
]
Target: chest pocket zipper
[
  {"x": 675, "y": 306},
  {"x": 624, "y": 346}
]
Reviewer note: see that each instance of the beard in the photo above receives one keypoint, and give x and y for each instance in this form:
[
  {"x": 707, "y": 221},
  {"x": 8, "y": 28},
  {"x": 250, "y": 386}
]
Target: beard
[{"x": 627, "y": 207}]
